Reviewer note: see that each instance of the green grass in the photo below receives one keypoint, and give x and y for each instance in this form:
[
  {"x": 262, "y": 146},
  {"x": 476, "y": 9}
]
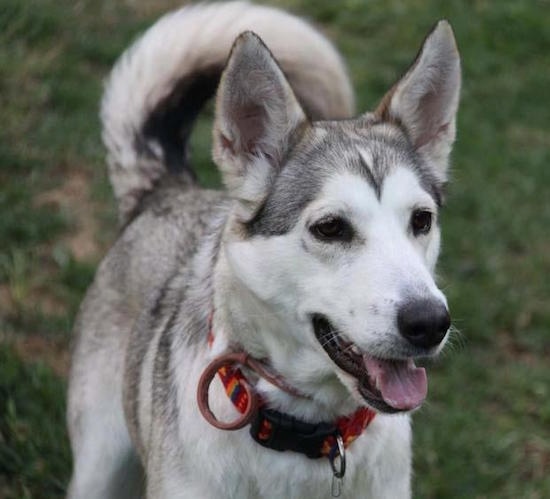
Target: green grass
[
  {"x": 485, "y": 432},
  {"x": 34, "y": 452}
]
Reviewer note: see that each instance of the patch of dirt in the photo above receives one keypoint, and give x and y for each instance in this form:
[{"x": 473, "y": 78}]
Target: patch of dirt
[
  {"x": 73, "y": 197},
  {"x": 6, "y": 302},
  {"x": 528, "y": 136},
  {"x": 35, "y": 298},
  {"x": 48, "y": 303},
  {"x": 536, "y": 456},
  {"x": 34, "y": 348},
  {"x": 514, "y": 351}
]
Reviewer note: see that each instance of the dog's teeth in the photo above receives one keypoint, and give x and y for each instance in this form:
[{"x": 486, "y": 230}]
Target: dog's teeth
[{"x": 355, "y": 350}]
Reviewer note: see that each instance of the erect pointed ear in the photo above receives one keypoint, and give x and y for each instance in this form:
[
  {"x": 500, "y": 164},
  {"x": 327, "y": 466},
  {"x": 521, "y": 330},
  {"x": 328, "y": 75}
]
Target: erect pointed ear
[
  {"x": 425, "y": 100},
  {"x": 257, "y": 117}
]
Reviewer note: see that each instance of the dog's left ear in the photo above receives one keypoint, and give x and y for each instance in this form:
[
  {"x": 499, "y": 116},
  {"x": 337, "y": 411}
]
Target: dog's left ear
[
  {"x": 425, "y": 100},
  {"x": 257, "y": 118}
]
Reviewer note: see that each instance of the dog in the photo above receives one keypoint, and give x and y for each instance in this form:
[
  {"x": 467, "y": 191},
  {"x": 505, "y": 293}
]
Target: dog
[{"x": 260, "y": 342}]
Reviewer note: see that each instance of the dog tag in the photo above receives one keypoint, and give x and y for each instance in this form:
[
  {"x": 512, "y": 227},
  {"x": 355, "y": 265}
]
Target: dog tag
[
  {"x": 338, "y": 472},
  {"x": 336, "y": 488}
]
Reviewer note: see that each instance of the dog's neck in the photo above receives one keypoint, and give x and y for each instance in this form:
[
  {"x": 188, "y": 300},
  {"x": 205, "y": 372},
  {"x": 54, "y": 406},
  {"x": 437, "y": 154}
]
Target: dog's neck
[{"x": 241, "y": 321}]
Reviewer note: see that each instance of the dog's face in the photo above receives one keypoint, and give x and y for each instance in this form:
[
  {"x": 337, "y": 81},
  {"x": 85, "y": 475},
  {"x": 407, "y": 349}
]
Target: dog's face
[{"x": 335, "y": 231}]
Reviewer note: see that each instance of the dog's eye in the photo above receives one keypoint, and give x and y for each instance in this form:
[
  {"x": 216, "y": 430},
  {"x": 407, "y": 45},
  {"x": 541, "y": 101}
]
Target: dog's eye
[
  {"x": 421, "y": 222},
  {"x": 332, "y": 229}
]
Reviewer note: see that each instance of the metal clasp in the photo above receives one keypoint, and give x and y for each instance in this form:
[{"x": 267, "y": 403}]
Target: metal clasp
[{"x": 337, "y": 459}]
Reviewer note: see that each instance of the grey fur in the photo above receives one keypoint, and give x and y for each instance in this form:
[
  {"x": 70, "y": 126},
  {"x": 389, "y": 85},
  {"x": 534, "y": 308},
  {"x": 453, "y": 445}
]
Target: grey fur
[
  {"x": 139, "y": 289},
  {"x": 333, "y": 147},
  {"x": 155, "y": 285},
  {"x": 154, "y": 293}
]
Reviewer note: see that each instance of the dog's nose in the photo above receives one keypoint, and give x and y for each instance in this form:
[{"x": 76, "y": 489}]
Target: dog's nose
[{"x": 424, "y": 322}]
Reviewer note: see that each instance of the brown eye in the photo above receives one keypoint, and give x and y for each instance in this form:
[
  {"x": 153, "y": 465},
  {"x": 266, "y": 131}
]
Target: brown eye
[
  {"x": 421, "y": 222},
  {"x": 332, "y": 229}
]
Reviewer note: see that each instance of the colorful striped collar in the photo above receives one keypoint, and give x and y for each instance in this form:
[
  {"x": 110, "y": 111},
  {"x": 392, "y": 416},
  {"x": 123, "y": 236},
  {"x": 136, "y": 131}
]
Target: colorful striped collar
[{"x": 273, "y": 429}]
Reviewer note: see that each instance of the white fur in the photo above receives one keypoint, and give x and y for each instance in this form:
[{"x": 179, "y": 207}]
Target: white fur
[
  {"x": 265, "y": 288},
  {"x": 280, "y": 284},
  {"x": 378, "y": 462}
]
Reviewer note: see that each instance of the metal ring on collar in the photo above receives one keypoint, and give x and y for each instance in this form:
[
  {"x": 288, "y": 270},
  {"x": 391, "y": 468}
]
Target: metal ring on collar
[{"x": 339, "y": 451}]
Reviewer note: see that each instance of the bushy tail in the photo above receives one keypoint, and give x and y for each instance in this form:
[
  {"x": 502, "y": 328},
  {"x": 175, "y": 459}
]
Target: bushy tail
[{"x": 161, "y": 82}]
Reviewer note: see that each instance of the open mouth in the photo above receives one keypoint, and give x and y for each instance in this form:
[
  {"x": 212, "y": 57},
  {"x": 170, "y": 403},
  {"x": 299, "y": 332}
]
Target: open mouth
[{"x": 388, "y": 385}]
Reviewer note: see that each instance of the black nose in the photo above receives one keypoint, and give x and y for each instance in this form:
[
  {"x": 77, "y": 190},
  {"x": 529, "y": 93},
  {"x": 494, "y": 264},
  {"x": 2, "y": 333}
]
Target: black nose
[{"x": 423, "y": 322}]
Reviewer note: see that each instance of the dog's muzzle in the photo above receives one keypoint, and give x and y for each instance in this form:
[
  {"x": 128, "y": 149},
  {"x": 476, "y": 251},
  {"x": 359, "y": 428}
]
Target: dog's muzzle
[{"x": 388, "y": 385}]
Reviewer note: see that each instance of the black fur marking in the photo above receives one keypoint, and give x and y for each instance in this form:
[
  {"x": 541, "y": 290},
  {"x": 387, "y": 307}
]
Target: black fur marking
[
  {"x": 403, "y": 150},
  {"x": 375, "y": 183},
  {"x": 164, "y": 397},
  {"x": 149, "y": 321},
  {"x": 171, "y": 122}
]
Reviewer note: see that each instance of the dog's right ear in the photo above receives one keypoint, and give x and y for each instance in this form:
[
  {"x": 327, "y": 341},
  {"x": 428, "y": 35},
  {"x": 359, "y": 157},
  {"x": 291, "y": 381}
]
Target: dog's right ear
[
  {"x": 425, "y": 100},
  {"x": 257, "y": 117}
]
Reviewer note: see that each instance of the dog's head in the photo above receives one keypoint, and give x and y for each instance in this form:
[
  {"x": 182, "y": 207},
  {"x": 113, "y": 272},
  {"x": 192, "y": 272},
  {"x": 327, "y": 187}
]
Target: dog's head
[{"x": 335, "y": 232}]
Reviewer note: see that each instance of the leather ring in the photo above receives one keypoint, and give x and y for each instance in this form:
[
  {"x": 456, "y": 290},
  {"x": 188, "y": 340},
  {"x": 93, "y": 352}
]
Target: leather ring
[{"x": 205, "y": 381}]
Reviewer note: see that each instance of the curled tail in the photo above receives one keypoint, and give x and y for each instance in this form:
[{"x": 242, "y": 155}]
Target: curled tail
[{"x": 159, "y": 85}]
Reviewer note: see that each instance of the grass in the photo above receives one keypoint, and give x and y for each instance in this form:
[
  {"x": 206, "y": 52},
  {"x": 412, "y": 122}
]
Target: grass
[{"x": 485, "y": 432}]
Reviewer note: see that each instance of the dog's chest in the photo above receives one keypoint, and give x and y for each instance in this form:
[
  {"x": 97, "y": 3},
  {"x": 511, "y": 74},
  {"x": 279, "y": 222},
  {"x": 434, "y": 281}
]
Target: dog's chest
[
  {"x": 260, "y": 474},
  {"x": 233, "y": 465}
]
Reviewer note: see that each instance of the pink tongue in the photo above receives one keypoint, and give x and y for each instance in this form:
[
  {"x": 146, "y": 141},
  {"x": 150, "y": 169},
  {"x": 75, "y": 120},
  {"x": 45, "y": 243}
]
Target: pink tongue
[{"x": 403, "y": 385}]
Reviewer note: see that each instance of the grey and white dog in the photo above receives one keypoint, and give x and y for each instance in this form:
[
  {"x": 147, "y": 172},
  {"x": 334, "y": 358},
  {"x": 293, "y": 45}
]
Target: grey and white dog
[{"x": 318, "y": 258}]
